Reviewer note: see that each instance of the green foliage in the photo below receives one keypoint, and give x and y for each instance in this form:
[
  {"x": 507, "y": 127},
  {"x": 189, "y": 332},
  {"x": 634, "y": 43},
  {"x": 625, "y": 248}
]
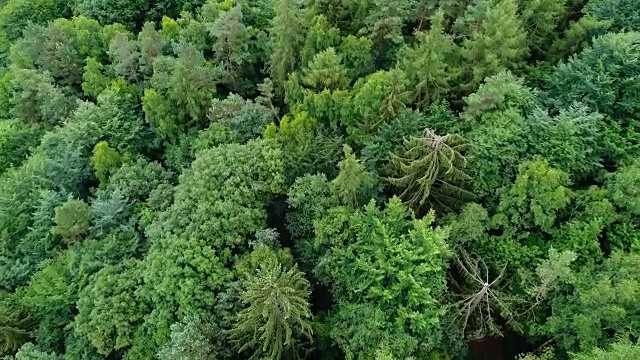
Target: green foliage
[
  {"x": 72, "y": 220},
  {"x": 325, "y": 71},
  {"x": 245, "y": 117},
  {"x": 623, "y": 189},
  {"x": 620, "y": 350},
  {"x": 308, "y": 199},
  {"x": 320, "y": 36},
  {"x": 35, "y": 100},
  {"x": 430, "y": 64},
  {"x": 431, "y": 168},
  {"x": 537, "y": 195},
  {"x": 607, "y": 87},
  {"x": 128, "y": 13},
  {"x": 598, "y": 306},
  {"x": 392, "y": 261},
  {"x": 191, "y": 339},
  {"x": 16, "y": 141},
  {"x": 231, "y": 199},
  {"x": 376, "y": 100},
  {"x": 105, "y": 160},
  {"x": 354, "y": 184},
  {"x": 108, "y": 309},
  {"x": 495, "y": 40},
  {"x": 93, "y": 80},
  {"x": 276, "y": 318},
  {"x": 29, "y": 352},
  {"x": 185, "y": 179},
  {"x": 306, "y": 146},
  {"x": 187, "y": 82},
  {"x": 231, "y": 47},
  {"x": 283, "y": 42},
  {"x": 16, "y": 14},
  {"x": 623, "y": 14}
]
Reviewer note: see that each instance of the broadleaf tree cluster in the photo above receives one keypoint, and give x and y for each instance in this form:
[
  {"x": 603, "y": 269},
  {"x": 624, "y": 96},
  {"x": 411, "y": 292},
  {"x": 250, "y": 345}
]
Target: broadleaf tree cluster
[{"x": 319, "y": 179}]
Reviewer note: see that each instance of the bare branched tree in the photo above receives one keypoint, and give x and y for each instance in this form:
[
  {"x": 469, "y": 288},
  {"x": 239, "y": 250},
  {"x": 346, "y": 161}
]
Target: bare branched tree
[
  {"x": 480, "y": 303},
  {"x": 482, "y": 309}
]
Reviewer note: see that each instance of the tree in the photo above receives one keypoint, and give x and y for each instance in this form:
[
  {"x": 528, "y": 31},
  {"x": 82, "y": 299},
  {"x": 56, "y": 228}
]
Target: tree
[
  {"x": 383, "y": 25},
  {"x": 308, "y": 198},
  {"x": 231, "y": 46},
  {"x": 357, "y": 56},
  {"x": 283, "y": 42},
  {"x": 29, "y": 351},
  {"x": 246, "y": 118},
  {"x": 108, "y": 309},
  {"x": 431, "y": 168},
  {"x": 191, "y": 339},
  {"x": 307, "y": 147},
  {"x": 124, "y": 56},
  {"x": 128, "y": 13},
  {"x": 72, "y": 220},
  {"x": 232, "y": 183},
  {"x": 15, "y": 15},
  {"x": 16, "y": 141},
  {"x": 93, "y": 79},
  {"x": 620, "y": 350},
  {"x": 540, "y": 19},
  {"x": 622, "y": 14},
  {"x": 354, "y": 183},
  {"x": 496, "y": 40},
  {"x": 36, "y": 100},
  {"x": 377, "y": 99},
  {"x": 325, "y": 71},
  {"x": 388, "y": 259},
  {"x": 188, "y": 82},
  {"x": 150, "y": 44},
  {"x": 430, "y": 64},
  {"x": 598, "y": 305},
  {"x": 320, "y": 36},
  {"x": 498, "y": 131},
  {"x": 276, "y": 317},
  {"x": 608, "y": 89},
  {"x": 105, "y": 161}
]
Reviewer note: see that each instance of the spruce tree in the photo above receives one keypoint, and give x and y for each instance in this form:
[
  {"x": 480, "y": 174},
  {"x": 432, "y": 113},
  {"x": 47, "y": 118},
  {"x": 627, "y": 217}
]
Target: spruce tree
[{"x": 431, "y": 168}]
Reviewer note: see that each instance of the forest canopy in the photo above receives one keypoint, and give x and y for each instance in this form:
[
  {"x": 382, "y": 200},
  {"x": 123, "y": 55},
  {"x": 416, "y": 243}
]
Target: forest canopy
[{"x": 319, "y": 179}]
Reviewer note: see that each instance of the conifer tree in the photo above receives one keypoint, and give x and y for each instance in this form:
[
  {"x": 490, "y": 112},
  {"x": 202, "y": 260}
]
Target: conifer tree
[
  {"x": 277, "y": 313},
  {"x": 496, "y": 40},
  {"x": 354, "y": 182},
  {"x": 430, "y": 63},
  {"x": 431, "y": 168},
  {"x": 285, "y": 38}
]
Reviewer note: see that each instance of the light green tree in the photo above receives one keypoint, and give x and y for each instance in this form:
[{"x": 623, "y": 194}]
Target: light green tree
[
  {"x": 72, "y": 220},
  {"x": 431, "y": 168},
  {"x": 276, "y": 320}
]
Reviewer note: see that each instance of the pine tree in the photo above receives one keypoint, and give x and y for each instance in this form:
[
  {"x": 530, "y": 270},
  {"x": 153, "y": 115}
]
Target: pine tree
[
  {"x": 354, "y": 182},
  {"x": 430, "y": 63},
  {"x": 431, "y": 168},
  {"x": 230, "y": 45},
  {"x": 277, "y": 313},
  {"x": 285, "y": 41},
  {"x": 497, "y": 39}
]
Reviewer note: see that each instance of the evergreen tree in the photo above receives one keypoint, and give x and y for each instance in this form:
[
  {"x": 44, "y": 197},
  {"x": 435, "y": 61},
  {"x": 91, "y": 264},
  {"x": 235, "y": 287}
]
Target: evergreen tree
[
  {"x": 495, "y": 40},
  {"x": 431, "y": 64},
  {"x": 431, "y": 168},
  {"x": 276, "y": 319},
  {"x": 353, "y": 183},
  {"x": 284, "y": 43}
]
